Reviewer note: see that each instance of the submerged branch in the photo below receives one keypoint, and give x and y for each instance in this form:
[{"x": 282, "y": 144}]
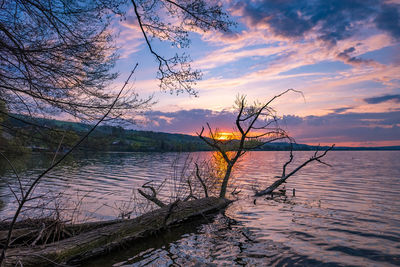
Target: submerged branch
[{"x": 284, "y": 177}]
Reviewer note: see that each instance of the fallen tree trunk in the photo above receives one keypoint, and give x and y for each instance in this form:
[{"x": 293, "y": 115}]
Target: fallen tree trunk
[
  {"x": 104, "y": 239},
  {"x": 25, "y": 232}
]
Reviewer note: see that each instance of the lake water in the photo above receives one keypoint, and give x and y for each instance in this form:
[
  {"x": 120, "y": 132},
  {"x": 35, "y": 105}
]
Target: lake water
[{"x": 344, "y": 215}]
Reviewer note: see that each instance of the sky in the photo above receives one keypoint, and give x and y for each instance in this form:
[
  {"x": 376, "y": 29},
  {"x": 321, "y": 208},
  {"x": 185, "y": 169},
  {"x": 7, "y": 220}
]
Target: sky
[{"x": 344, "y": 55}]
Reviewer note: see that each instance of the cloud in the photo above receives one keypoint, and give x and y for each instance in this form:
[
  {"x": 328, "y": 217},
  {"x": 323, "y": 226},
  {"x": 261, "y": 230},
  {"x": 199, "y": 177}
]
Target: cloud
[
  {"x": 336, "y": 127},
  {"x": 265, "y": 57},
  {"x": 341, "y": 110},
  {"x": 329, "y": 20},
  {"x": 130, "y": 36},
  {"x": 187, "y": 121},
  {"x": 307, "y": 37},
  {"x": 381, "y": 99},
  {"x": 349, "y": 128},
  {"x": 389, "y": 19},
  {"x": 218, "y": 57},
  {"x": 347, "y": 58}
]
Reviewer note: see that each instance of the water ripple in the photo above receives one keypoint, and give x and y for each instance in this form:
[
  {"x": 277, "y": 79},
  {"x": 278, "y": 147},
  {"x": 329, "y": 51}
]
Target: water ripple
[{"x": 347, "y": 215}]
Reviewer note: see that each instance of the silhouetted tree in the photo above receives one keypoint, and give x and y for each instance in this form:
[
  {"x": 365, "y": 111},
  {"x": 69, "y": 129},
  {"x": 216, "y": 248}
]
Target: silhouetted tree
[
  {"x": 255, "y": 125},
  {"x": 57, "y": 55},
  {"x": 60, "y": 54}
]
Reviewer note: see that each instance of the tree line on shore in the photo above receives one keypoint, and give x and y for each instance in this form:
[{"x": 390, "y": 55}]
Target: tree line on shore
[{"x": 26, "y": 138}]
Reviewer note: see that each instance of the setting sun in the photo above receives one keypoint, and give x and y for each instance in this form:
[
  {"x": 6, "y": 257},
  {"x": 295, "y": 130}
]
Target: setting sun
[{"x": 224, "y": 136}]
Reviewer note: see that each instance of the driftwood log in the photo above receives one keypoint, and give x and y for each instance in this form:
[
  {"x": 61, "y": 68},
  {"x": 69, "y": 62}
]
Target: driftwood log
[{"x": 107, "y": 238}]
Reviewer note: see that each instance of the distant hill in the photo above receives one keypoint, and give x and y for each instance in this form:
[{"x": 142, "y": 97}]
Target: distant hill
[
  {"x": 115, "y": 138},
  {"x": 104, "y": 138}
]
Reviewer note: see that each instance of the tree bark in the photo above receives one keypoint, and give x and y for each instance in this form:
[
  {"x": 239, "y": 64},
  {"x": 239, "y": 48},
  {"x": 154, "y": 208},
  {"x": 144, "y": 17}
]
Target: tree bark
[{"x": 224, "y": 184}]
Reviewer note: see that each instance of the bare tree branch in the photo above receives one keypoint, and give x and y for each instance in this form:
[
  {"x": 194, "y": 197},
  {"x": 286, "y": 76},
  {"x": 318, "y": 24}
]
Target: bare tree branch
[
  {"x": 153, "y": 197},
  {"x": 316, "y": 157},
  {"x": 175, "y": 73},
  {"x": 201, "y": 180}
]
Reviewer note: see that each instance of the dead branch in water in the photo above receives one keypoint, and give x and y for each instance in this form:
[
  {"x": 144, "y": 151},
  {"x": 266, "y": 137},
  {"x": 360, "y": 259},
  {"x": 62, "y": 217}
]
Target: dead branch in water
[
  {"x": 189, "y": 180},
  {"x": 153, "y": 197},
  {"x": 316, "y": 157}
]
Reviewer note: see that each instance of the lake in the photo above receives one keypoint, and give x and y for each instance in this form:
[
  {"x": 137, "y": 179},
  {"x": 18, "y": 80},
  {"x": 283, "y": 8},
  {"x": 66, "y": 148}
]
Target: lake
[{"x": 344, "y": 215}]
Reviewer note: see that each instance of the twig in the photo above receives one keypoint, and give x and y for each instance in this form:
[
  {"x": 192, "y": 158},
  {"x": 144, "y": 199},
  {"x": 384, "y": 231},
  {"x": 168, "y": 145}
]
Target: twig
[
  {"x": 201, "y": 180},
  {"x": 58, "y": 149},
  {"x": 39, "y": 235},
  {"x": 16, "y": 175},
  {"x": 153, "y": 198}
]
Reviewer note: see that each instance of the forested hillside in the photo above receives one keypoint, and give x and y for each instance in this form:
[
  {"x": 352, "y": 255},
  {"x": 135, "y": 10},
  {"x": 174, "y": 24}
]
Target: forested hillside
[{"x": 44, "y": 134}]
